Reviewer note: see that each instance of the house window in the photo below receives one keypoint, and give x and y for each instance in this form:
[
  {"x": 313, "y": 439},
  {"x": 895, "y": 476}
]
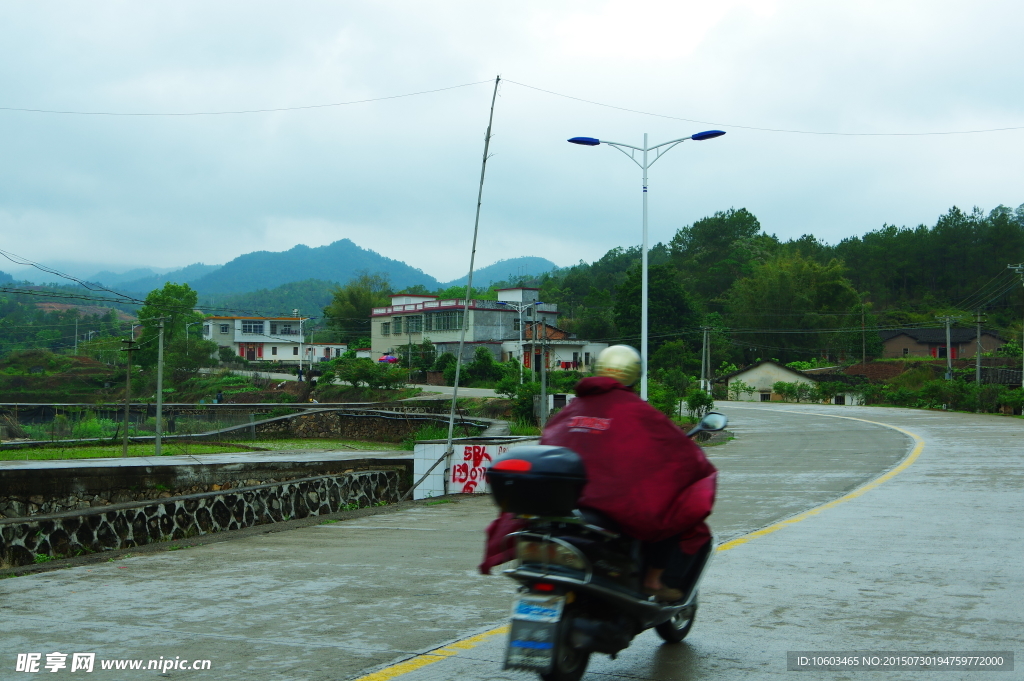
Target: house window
[
  {"x": 249, "y": 326},
  {"x": 586, "y": 358},
  {"x": 841, "y": 399},
  {"x": 295, "y": 350},
  {"x": 445, "y": 321},
  {"x": 273, "y": 328},
  {"x": 766, "y": 397},
  {"x": 414, "y": 324},
  {"x": 516, "y": 323},
  {"x": 206, "y": 329},
  {"x": 286, "y": 330},
  {"x": 906, "y": 351},
  {"x": 224, "y": 328},
  {"x": 385, "y": 328},
  {"x": 273, "y": 350},
  {"x": 396, "y": 324}
]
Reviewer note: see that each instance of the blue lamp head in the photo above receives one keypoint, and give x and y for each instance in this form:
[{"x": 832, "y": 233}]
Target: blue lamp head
[
  {"x": 588, "y": 141},
  {"x": 706, "y": 135}
]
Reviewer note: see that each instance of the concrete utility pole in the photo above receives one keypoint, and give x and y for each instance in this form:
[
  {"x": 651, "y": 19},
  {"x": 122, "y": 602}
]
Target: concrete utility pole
[
  {"x": 159, "y": 390},
  {"x": 977, "y": 351},
  {"x": 130, "y": 348},
  {"x": 949, "y": 350},
  {"x": 543, "y": 376},
  {"x": 76, "y": 332},
  {"x": 705, "y": 362},
  {"x": 863, "y": 340},
  {"x": 1019, "y": 269}
]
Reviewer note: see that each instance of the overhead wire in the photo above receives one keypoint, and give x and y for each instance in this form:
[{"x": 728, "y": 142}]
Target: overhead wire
[
  {"x": 763, "y": 129},
  {"x": 239, "y": 111}
]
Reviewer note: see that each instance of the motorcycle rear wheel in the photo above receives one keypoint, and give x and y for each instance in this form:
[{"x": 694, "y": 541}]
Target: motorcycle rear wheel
[
  {"x": 570, "y": 664},
  {"x": 676, "y": 629}
]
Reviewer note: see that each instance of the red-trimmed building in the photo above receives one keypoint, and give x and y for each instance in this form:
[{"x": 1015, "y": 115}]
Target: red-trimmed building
[
  {"x": 491, "y": 324},
  {"x": 268, "y": 339}
]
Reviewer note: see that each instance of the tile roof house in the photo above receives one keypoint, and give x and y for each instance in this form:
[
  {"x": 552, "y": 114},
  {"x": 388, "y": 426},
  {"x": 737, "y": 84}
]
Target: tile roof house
[{"x": 931, "y": 342}]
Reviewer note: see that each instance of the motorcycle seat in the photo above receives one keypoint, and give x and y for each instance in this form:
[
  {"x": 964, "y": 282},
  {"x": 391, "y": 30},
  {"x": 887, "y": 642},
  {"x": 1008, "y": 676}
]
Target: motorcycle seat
[{"x": 599, "y": 519}]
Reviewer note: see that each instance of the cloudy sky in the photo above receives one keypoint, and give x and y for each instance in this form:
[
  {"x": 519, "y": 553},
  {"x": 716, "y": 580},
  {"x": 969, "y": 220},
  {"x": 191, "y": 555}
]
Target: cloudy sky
[{"x": 400, "y": 176}]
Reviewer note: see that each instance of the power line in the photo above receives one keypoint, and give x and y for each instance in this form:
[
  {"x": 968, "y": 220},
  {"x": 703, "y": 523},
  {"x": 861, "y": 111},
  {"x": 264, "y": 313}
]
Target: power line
[
  {"x": 240, "y": 111},
  {"x": 760, "y": 129}
]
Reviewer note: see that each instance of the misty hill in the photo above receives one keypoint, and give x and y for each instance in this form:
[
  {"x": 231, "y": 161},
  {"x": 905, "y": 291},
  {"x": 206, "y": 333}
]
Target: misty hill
[
  {"x": 310, "y": 296},
  {"x": 5, "y": 278},
  {"x": 144, "y": 280},
  {"x": 339, "y": 261},
  {"x": 513, "y": 269}
]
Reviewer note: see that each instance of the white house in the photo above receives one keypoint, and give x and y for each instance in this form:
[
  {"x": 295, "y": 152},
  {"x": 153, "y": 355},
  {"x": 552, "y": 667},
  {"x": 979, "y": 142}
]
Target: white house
[
  {"x": 268, "y": 339},
  {"x": 766, "y": 373}
]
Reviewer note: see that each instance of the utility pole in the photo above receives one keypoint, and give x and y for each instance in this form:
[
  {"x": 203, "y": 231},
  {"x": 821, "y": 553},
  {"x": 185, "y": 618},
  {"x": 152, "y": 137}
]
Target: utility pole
[
  {"x": 543, "y": 376},
  {"x": 949, "y": 350},
  {"x": 863, "y": 340},
  {"x": 76, "y": 332},
  {"x": 1019, "y": 269},
  {"x": 705, "y": 362},
  {"x": 978, "y": 348},
  {"x": 129, "y": 348},
  {"x": 159, "y": 390}
]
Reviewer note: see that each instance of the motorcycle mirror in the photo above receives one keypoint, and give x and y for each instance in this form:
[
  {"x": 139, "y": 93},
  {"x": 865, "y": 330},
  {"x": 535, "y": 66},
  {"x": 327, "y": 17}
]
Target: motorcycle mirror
[{"x": 713, "y": 421}]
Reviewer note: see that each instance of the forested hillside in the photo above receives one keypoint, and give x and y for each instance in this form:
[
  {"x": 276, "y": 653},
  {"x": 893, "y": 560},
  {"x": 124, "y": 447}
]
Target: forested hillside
[{"x": 796, "y": 299}]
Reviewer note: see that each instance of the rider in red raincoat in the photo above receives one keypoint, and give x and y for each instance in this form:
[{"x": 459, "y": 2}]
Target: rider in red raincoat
[{"x": 642, "y": 470}]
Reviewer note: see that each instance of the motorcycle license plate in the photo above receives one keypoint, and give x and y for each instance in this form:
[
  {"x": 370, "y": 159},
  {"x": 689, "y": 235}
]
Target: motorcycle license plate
[{"x": 531, "y": 639}]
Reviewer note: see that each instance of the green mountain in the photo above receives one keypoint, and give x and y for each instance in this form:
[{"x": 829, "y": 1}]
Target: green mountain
[
  {"x": 339, "y": 261},
  {"x": 512, "y": 269}
]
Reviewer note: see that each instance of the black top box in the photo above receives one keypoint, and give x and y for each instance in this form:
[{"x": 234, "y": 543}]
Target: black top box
[{"x": 538, "y": 480}]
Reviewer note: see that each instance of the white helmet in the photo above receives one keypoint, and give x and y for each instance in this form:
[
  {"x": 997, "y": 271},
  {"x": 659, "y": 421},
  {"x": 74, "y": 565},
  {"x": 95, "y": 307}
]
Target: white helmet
[{"x": 620, "y": 362}]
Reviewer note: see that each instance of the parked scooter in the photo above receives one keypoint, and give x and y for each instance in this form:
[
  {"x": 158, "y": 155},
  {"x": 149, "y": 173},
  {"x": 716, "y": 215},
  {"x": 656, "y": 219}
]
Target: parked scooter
[{"x": 580, "y": 577}]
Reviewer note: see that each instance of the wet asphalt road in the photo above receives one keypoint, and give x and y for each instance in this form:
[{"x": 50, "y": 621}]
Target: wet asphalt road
[{"x": 929, "y": 560}]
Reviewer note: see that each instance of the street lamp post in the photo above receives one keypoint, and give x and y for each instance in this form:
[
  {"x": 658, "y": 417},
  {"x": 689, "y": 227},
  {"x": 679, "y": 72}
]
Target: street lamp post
[
  {"x": 188, "y": 324},
  {"x": 519, "y": 309},
  {"x": 659, "y": 150}
]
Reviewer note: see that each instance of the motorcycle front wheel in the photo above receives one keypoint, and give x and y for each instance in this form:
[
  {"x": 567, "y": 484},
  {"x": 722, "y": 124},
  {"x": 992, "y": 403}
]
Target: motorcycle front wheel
[
  {"x": 676, "y": 629},
  {"x": 569, "y": 664}
]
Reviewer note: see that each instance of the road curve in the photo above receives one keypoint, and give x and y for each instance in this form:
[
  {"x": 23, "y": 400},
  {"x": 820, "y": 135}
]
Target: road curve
[{"x": 929, "y": 560}]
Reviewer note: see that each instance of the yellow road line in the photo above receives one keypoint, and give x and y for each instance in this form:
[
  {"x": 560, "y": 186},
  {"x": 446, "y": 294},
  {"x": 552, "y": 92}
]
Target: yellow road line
[
  {"x": 424, "y": 659},
  {"x": 433, "y": 656}
]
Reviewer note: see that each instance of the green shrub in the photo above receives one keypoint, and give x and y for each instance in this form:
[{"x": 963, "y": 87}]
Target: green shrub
[{"x": 698, "y": 403}]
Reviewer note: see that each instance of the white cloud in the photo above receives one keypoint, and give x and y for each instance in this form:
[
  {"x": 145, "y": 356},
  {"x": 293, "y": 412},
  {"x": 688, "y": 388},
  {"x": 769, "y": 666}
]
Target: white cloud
[{"x": 400, "y": 176}]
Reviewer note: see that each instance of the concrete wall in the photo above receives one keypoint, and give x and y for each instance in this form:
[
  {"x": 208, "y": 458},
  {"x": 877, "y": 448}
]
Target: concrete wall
[
  {"x": 135, "y": 524},
  {"x": 42, "y": 488},
  {"x": 469, "y": 464}
]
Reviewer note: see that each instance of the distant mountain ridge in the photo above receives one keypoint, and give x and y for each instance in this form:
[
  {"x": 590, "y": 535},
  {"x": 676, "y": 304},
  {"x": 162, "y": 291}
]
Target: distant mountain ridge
[
  {"x": 338, "y": 262},
  {"x": 510, "y": 269}
]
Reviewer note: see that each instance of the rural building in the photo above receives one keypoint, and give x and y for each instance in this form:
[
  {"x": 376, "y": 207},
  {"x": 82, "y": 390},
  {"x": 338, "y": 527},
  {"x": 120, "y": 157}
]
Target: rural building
[
  {"x": 766, "y": 373},
  {"x": 931, "y": 342},
  {"x": 411, "y": 319},
  {"x": 268, "y": 339}
]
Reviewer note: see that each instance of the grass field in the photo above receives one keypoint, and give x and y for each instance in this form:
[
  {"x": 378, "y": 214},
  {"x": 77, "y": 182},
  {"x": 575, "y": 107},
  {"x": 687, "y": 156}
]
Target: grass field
[{"x": 177, "y": 449}]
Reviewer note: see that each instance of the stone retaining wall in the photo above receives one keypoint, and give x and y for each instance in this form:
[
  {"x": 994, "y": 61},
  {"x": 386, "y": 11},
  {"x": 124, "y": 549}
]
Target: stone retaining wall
[
  {"x": 377, "y": 426},
  {"x": 133, "y": 524}
]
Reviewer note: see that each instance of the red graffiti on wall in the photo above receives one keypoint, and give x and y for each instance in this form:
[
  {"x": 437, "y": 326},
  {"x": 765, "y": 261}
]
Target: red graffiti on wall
[{"x": 471, "y": 473}]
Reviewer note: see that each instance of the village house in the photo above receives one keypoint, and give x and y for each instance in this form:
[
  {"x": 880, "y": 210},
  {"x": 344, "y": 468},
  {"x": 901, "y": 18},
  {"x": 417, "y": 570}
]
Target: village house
[
  {"x": 268, "y": 339},
  {"x": 766, "y": 373},
  {"x": 495, "y": 325},
  {"x": 931, "y": 342}
]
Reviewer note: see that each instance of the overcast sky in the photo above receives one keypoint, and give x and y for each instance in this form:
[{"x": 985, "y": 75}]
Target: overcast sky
[{"x": 400, "y": 176}]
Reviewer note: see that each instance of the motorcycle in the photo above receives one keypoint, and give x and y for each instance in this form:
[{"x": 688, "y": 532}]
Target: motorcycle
[{"x": 580, "y": 577}]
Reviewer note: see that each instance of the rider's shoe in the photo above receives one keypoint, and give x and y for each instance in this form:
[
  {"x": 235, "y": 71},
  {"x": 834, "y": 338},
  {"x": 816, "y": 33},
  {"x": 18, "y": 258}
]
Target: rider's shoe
[{"x": 664, "y": 594}]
